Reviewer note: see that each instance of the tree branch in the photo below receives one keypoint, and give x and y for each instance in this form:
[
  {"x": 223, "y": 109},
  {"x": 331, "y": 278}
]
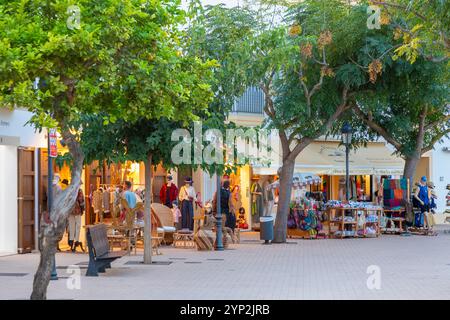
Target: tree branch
[
  {"x": 437, "y": 122},
  {"x": 305, "y": 141},
  {"x": 421, "y": 133},
  {"x": 377, "y": 128},
  {"x": 434, "y": 140},
  {"x": 399, "y": 6}
]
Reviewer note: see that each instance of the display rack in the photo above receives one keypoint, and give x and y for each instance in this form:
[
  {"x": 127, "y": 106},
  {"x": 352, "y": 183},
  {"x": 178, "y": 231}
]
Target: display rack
[
  {"x": 392, "y": 217},
  {"x": 338, "y": 216}
]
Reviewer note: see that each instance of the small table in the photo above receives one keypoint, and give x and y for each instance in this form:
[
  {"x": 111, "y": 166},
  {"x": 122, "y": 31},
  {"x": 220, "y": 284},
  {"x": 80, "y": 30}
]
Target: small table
[{"x": 183, "y": 240}]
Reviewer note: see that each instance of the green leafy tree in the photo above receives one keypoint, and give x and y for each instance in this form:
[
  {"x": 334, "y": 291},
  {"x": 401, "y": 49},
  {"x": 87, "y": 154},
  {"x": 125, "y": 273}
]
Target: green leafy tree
[
  {"x": 409, "y": 110},
  {"x": 422, "y": 27},
  {"x": 304, "y": 66},
  {"x": 221, "y": 34},
  {"x": 117, "y": 57}
]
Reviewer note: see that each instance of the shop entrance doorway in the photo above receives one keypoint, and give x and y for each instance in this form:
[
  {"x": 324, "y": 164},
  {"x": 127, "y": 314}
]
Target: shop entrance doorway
[{"x": 26, "y": 199}]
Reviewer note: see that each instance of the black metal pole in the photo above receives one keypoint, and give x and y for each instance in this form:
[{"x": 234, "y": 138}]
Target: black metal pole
[
  {"x": 219, "y": 241},
  {"x": 54, "y": 275},
  {"x": 347, "y": 178}
]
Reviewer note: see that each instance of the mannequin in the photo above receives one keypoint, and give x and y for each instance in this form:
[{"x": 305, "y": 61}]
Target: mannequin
[
  {"x": 97, "y": 204},
  {"x": 187, "y": 196},
  {"x": 236, "y": 198},
  {"x": 423, "y": 195},
  {"x": 168, "y": 193},
  {"x": 268, "y": 198},
  {"x": 257, "y": 197}
]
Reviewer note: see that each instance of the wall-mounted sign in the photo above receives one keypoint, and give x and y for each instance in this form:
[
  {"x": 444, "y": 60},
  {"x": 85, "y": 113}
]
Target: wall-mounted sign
[
  {"x": 9, "y": 141},
  {"x": 52, "y": 141}
]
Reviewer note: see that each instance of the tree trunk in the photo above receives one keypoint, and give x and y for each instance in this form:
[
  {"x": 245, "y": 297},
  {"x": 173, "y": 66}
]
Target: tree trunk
[
  {"x": 287, "y": 171},
  {"x": 148, "y": 208},
  {"x": 408, "y": 173},
  {"x": 48, "y": 244},
  {"x": 52, "y": 226}
]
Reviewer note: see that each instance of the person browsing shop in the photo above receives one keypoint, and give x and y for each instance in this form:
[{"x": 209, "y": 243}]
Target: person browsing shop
[
  {"x": 129, "y": 195},
  {"x": 75, "y": 222}
]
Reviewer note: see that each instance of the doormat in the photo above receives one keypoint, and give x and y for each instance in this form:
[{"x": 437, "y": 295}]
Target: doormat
[
  {"x": 12, "y": 274},
  {"x": 192, "y": 262},
  {"x": 177, "y": 258},
  {"x": 163, "y": 263}
]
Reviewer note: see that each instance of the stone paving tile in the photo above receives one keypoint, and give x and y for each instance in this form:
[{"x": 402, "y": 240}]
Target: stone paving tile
[{"x": 415, "y": 267}]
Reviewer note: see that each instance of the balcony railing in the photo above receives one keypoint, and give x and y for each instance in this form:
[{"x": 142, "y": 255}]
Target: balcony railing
[{"x": 252, "y": 101}]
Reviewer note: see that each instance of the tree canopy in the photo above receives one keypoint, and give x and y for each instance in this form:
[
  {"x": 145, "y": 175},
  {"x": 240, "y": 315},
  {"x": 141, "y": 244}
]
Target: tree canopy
[{"x": 122, "y": 58}]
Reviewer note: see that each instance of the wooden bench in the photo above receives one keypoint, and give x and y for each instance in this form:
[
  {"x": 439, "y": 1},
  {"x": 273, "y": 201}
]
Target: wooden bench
[{"x": 100, "y": 257}]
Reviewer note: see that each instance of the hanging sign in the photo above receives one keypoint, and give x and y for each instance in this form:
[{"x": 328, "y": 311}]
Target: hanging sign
[{"x": 52, "y": 142}]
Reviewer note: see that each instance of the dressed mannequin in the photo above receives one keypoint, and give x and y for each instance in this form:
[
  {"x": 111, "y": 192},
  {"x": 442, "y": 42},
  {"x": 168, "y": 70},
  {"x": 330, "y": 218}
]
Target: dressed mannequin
[
  {"x": 268, "y": 198},
  {"x": 97, "y": 204},
  {"x": 106, "y": 200},
  {"x": 257, "y": 197},
  {"x": 423, "y": 195},
  {"x": 187, "y": 196},
  {"x": 236, "y": 198},
  {"x": 168, "y": 193}
]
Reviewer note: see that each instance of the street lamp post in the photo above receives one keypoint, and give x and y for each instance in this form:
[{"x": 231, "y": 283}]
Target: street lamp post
[
  {"x": 51, "y": 136},
  {"x": 219, "y": 241},
  {"x": 347, "y": 140},
  {"x": 51, "y": 150}
]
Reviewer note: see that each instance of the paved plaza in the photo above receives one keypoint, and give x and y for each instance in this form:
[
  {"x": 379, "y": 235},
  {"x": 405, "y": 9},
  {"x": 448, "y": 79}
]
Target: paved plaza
[{"x": 414, "y": 267}]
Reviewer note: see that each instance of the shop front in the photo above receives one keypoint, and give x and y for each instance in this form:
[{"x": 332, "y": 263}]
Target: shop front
[
  {"x": 19, "y": 206},
  {"x": 326, "y": 160}
]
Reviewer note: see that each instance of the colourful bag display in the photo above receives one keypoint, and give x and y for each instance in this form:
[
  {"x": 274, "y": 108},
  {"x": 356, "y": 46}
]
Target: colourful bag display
[{"x": 291, "y": 224}]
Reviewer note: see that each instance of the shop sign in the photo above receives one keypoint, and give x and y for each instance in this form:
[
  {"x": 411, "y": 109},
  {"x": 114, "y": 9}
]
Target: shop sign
[
  {"x": 9, "y": 141},
  {"x": 52, "y": 136},
  {"x": 4, "y": 124}
]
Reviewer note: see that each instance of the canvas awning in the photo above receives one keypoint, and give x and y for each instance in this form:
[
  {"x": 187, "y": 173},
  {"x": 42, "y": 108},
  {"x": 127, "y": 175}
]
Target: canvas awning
[
  {"x": 301, "y": 179},
  {"x": 328, "y": 157}
]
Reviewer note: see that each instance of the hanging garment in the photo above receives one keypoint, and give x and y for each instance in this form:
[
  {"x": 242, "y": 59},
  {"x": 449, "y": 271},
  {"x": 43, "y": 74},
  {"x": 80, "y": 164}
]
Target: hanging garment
[
  {"x": 236, "y": 201},
  {"x": 106, "y": 201},
  {"x": 257, "y": 200},
  {"x": 187, "y": 215},
  {"x": 423, "y": 194},
  {"x": 269, "y": 198},
  {"x": 97, "y": 200}
]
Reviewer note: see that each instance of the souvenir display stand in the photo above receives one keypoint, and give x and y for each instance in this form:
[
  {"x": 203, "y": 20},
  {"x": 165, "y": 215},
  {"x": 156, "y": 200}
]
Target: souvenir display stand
[
  {"x": 395, "y": 194},
  {"x": 353, "y": 219},
  {"x": 307, "y": 220},
  {"x": 306, "y": 216}
]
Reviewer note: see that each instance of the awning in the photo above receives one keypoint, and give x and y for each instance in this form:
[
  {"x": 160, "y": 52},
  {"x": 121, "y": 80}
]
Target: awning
[
  {"x": 328, "y": 157},
  {"x": 301, "y": 179}
]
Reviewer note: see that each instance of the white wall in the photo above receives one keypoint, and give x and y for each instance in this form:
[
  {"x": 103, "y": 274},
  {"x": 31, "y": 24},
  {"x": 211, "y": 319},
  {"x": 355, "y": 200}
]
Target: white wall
[
  {"x": 440, "y": 166},
  {"x": 8, "y": 199},
  {"x": 13, "y": 124}
]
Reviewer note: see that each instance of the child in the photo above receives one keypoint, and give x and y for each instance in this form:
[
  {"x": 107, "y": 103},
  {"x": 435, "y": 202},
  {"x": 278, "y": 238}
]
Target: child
[
  {"x": 242, "y": 223},
  {"x": 176, "y": 214}
]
